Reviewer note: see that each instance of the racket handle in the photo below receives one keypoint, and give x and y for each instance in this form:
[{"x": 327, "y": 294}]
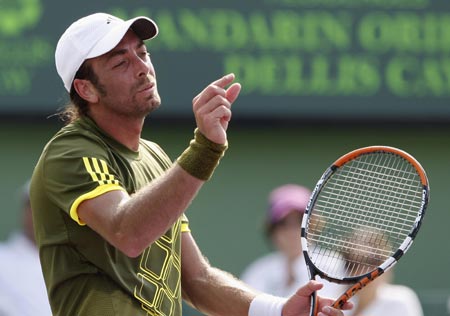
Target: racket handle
[{"x": 314, "y": 306}]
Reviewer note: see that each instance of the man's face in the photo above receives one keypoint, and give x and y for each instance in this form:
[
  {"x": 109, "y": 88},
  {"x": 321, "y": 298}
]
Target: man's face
[{"x": 127, "y": 80}]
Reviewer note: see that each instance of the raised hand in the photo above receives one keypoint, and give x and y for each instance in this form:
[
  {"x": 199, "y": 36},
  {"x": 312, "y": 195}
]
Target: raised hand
[{"x": 212, "y": 108}]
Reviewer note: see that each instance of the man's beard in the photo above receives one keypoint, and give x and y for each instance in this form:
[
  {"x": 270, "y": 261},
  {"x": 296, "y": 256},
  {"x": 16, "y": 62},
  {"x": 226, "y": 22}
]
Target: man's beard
[{"x": 139, "y": 109}]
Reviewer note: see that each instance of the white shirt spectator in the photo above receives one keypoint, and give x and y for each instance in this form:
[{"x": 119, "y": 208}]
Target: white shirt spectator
[
  {"x": 393, "y": 300},
  {"x": 269, "y": 274},
  {"x": 22, "y": 288}
]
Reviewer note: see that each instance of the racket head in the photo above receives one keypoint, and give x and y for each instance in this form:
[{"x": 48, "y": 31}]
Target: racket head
[{"x": 364, "y": 214}]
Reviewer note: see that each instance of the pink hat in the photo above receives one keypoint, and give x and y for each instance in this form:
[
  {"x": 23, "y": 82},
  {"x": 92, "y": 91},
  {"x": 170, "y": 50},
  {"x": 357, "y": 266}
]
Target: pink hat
[{"x": 285, "y": 199}]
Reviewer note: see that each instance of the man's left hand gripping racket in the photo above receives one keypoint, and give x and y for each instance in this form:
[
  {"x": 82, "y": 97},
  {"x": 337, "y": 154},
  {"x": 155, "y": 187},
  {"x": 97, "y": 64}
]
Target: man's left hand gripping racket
[{"x": 362, "y": 217}]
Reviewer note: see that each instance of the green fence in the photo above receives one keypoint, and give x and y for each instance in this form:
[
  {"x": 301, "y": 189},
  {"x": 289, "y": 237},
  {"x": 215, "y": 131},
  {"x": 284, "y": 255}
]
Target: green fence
[{"x": 230, "y": 208}]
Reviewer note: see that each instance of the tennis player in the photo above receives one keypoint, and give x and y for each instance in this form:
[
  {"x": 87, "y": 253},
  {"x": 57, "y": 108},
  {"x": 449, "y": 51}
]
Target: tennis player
[{"x": 109, "y": 205}]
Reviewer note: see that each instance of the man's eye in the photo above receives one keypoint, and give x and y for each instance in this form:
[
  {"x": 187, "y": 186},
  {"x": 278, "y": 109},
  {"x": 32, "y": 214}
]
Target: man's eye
[{"x": 119, "y": 64}]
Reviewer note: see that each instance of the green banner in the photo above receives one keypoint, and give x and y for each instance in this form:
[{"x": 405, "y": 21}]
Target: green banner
[{"x": 340, "y": 59}]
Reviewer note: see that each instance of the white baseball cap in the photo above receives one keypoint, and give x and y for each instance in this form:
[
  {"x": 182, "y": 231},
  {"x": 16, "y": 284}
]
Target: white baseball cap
[{"x": 93, "y": 36}]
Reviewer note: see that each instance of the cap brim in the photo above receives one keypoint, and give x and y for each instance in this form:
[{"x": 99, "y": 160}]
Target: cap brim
[{"x": 144, "y": 28}]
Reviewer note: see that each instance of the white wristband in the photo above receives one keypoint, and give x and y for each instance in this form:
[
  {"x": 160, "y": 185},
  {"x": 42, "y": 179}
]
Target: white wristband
[{"x": 266, "y": 305}]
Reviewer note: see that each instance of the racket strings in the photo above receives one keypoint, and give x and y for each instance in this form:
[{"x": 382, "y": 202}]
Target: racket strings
[{"x": 363, "y": 214}]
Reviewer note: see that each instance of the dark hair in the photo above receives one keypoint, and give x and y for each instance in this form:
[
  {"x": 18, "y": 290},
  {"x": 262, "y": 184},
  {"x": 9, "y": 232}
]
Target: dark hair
[{"x": 78, "y": 107}]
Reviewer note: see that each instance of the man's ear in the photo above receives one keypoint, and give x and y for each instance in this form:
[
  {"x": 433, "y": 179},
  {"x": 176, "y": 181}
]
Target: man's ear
[{"x": 86, "y": 90}]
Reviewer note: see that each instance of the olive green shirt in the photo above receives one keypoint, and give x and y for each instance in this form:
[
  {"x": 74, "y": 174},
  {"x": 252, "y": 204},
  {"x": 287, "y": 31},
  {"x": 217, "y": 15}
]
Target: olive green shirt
[{"x": 84, "y": 274}]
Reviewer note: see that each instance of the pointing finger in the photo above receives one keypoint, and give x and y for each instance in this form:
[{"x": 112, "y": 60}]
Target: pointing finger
[
  {"x": 233, "y": 92},
  {"x": 221, "y": 83}
]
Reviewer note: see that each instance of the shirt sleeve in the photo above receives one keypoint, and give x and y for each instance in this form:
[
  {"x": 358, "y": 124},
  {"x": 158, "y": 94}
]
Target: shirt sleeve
[
  {"x": 78, "y": 173},
  {"x": 185, "y": 224}
]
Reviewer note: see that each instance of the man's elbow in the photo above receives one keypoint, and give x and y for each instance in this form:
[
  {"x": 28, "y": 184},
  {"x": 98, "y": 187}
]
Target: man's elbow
[{"x": 130, "y": 246}]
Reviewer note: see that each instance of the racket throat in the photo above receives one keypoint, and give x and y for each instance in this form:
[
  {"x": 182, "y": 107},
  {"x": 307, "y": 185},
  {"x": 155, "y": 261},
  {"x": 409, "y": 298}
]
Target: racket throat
[{"x": 357, "y": 287}]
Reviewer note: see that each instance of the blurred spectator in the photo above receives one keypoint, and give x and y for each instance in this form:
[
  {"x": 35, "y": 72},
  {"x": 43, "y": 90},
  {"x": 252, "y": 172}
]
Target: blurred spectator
[
  {"x": 22, "y": 288},
  {"x": 448, "y": 305},
  {"x": 282, "y": 271},
  {"x": 381, "y": 298},
  {"x": 371, "y": 247}
]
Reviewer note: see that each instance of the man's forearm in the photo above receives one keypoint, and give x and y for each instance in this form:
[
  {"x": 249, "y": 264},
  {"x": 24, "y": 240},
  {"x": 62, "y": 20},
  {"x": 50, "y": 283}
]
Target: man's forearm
[
  {"x": 150, "y": 212},
  {"x": 218, "y": 293}
]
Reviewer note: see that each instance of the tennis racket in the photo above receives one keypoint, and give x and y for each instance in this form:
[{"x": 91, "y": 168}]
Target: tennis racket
[{"x": 363, "y": 215}]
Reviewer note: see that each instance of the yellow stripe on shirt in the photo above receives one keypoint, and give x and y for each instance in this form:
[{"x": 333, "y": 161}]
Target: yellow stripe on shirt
[{"x": 98, "y": 169}]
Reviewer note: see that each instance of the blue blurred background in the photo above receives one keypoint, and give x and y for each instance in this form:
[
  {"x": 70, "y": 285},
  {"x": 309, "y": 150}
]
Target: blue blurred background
[{"x": 320, "y": 78}]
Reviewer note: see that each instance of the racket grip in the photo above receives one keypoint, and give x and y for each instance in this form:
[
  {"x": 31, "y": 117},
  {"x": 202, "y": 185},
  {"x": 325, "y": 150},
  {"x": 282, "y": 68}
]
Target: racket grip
[{"x": 314, "y": 306}]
